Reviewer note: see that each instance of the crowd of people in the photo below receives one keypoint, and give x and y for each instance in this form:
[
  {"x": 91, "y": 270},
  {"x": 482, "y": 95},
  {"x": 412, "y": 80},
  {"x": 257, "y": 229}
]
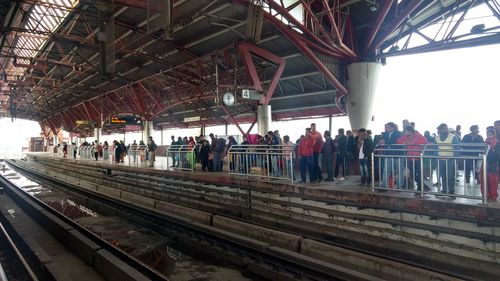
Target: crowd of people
[
  {"x": 315, "y": 155},
  {"x": 118, "y": 149}
]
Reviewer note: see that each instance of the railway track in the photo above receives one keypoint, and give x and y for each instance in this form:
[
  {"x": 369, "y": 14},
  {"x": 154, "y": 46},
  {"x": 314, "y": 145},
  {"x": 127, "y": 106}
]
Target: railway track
[
  {"x": 260, "y": 258},
  {"x": 253, "y": 207},
  {"x": 13, "y": 266}
]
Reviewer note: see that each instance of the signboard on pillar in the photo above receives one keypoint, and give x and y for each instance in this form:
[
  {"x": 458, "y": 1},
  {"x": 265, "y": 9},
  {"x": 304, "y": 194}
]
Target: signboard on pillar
[{"x": 251, "y": 94}]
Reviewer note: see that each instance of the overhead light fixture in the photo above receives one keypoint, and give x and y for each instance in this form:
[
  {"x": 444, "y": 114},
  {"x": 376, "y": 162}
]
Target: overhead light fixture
[
  {"x": 478, "y": 28},
  {"x": 393, "y": 49}
]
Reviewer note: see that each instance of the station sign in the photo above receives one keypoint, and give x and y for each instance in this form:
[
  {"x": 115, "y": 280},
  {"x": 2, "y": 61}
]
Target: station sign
[
  {"x": 125, "y": 120},
  {"x": 192, "y": 119},
  {"x": 84, "y": 122},
  {"x": 251, "y": 94}
]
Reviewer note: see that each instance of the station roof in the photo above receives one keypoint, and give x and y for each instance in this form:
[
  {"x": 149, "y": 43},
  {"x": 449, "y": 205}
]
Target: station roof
[{"x": 68, "y": 60}]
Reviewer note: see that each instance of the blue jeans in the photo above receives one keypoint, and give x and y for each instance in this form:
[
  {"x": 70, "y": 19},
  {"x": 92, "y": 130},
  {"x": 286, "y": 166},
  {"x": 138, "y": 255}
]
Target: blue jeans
[
  {"x": 217, "y": 162},
  {"x": 306, "y": 163},
  {"x": 329, "y": 165},
  {"x": 392, "y": 166},
  {"x": 363, "y": 168},
  {"x": 274, "y": 163}
]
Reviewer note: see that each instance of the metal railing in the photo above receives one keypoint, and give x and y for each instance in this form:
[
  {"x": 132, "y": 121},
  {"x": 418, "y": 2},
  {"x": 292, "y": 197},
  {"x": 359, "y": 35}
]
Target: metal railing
[
  {"x": 137, "y": 155},
  {"x": 264, "y": 161},
  {"x": 182, "y": 156},
  {"x": 431, "y": 169}
]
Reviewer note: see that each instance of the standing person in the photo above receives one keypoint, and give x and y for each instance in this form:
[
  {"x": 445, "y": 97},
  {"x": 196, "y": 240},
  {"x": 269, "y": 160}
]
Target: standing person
[
  {"x": 65, "y": 150},
  {"x": 95, "y": 147},
  {"x": 496, "y": 125},
  {"x": 123, "y": 150},
  {"x": 350, "y": 148},
  {"x": 390, "y": 165},
  {"x": 318, "y": 146},
  {"x": 414, "y": 143},
  {"x": 472, "y": 138},
  {"x": 105, "y": 152},
  {"x": 75, "y": 150},
  {"x": 306, "y": 153},
  {"x": 341, "y": 154},
  {"x": 458, "y": 131},
  {"x": 117, "y": 150},
  {"x": 218, "y": 152},
  {"x": 445, "y": 140},
  {"x": 173, "y": 140},
  {"x": 288, "y": 151},
  {"x": 364, "y": 150},
  {"x": 492, "y": 166},
  {"x": 151, "y": 151},
  {"x": 133, "y": 148},
  {"x": 328, "y": 155},
  {"x": 204, "y": 153},
  {"x": 232, "y": 160},
  {"x": 274, "y": 141}
]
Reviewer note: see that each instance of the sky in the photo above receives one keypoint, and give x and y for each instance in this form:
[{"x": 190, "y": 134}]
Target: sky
[{"x": 454, "y": 87}]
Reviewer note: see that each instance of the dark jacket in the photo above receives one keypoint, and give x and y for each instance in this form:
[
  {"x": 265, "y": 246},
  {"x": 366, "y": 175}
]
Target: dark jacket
[
  {"x": 493, "y": 159},
  {"x": 368, "y": 147},
  {"x": 204, "y": 151},
  {"x": 329, "y": 147},
  {"x": 390, "y": 142},
  {"x": 470, "y": 139},
  {"x": 351, "y": 144},
  {"x": 341, "y": 143}
]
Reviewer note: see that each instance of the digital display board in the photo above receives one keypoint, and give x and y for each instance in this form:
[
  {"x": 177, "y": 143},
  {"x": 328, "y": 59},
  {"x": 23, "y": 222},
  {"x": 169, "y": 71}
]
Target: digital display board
[{"x": 125, "y": 120}]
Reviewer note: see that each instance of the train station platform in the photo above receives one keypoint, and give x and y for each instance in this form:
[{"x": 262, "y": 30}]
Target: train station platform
[{"x": 348, "y": 192}]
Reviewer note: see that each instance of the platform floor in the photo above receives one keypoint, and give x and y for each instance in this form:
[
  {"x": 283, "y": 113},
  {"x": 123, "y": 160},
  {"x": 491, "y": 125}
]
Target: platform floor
[{"x": 350, "y": 184}]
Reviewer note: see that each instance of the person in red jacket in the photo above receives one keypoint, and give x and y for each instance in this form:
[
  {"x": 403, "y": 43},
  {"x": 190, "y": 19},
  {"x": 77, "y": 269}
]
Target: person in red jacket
[
  {"x": 414, "y": 143},
  {"x": 318, "y": 146},
  {"x": 306, "y": 149}
]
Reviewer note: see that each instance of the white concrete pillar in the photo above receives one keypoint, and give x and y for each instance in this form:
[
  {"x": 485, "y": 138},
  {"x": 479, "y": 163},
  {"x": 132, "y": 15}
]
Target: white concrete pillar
[
  {"x": 362, "y": 84},
  {"x": 147, "y": 131},
  {"x": 264, "y": 119},
  {"x": 97, "y": 135}
]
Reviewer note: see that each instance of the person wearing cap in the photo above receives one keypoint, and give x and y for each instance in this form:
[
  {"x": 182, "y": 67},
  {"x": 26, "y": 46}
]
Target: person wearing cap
[
  {"x": 445, "y": 141},
  {"x": 472, "y": 138}
]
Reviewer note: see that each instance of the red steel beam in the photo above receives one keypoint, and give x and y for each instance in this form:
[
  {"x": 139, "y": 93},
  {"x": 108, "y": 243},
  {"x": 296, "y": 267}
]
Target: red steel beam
[
  {"x": 314, "y": 59},
  {"x": 376, "y": 25},
  {"x": 245, "y": 49},
  {"x": 234, "y": 120},
  {"x": 394, "y": 25}
]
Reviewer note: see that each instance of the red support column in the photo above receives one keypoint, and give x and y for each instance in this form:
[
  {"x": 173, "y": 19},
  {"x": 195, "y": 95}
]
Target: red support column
[{"x": 246, "y": 49}]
